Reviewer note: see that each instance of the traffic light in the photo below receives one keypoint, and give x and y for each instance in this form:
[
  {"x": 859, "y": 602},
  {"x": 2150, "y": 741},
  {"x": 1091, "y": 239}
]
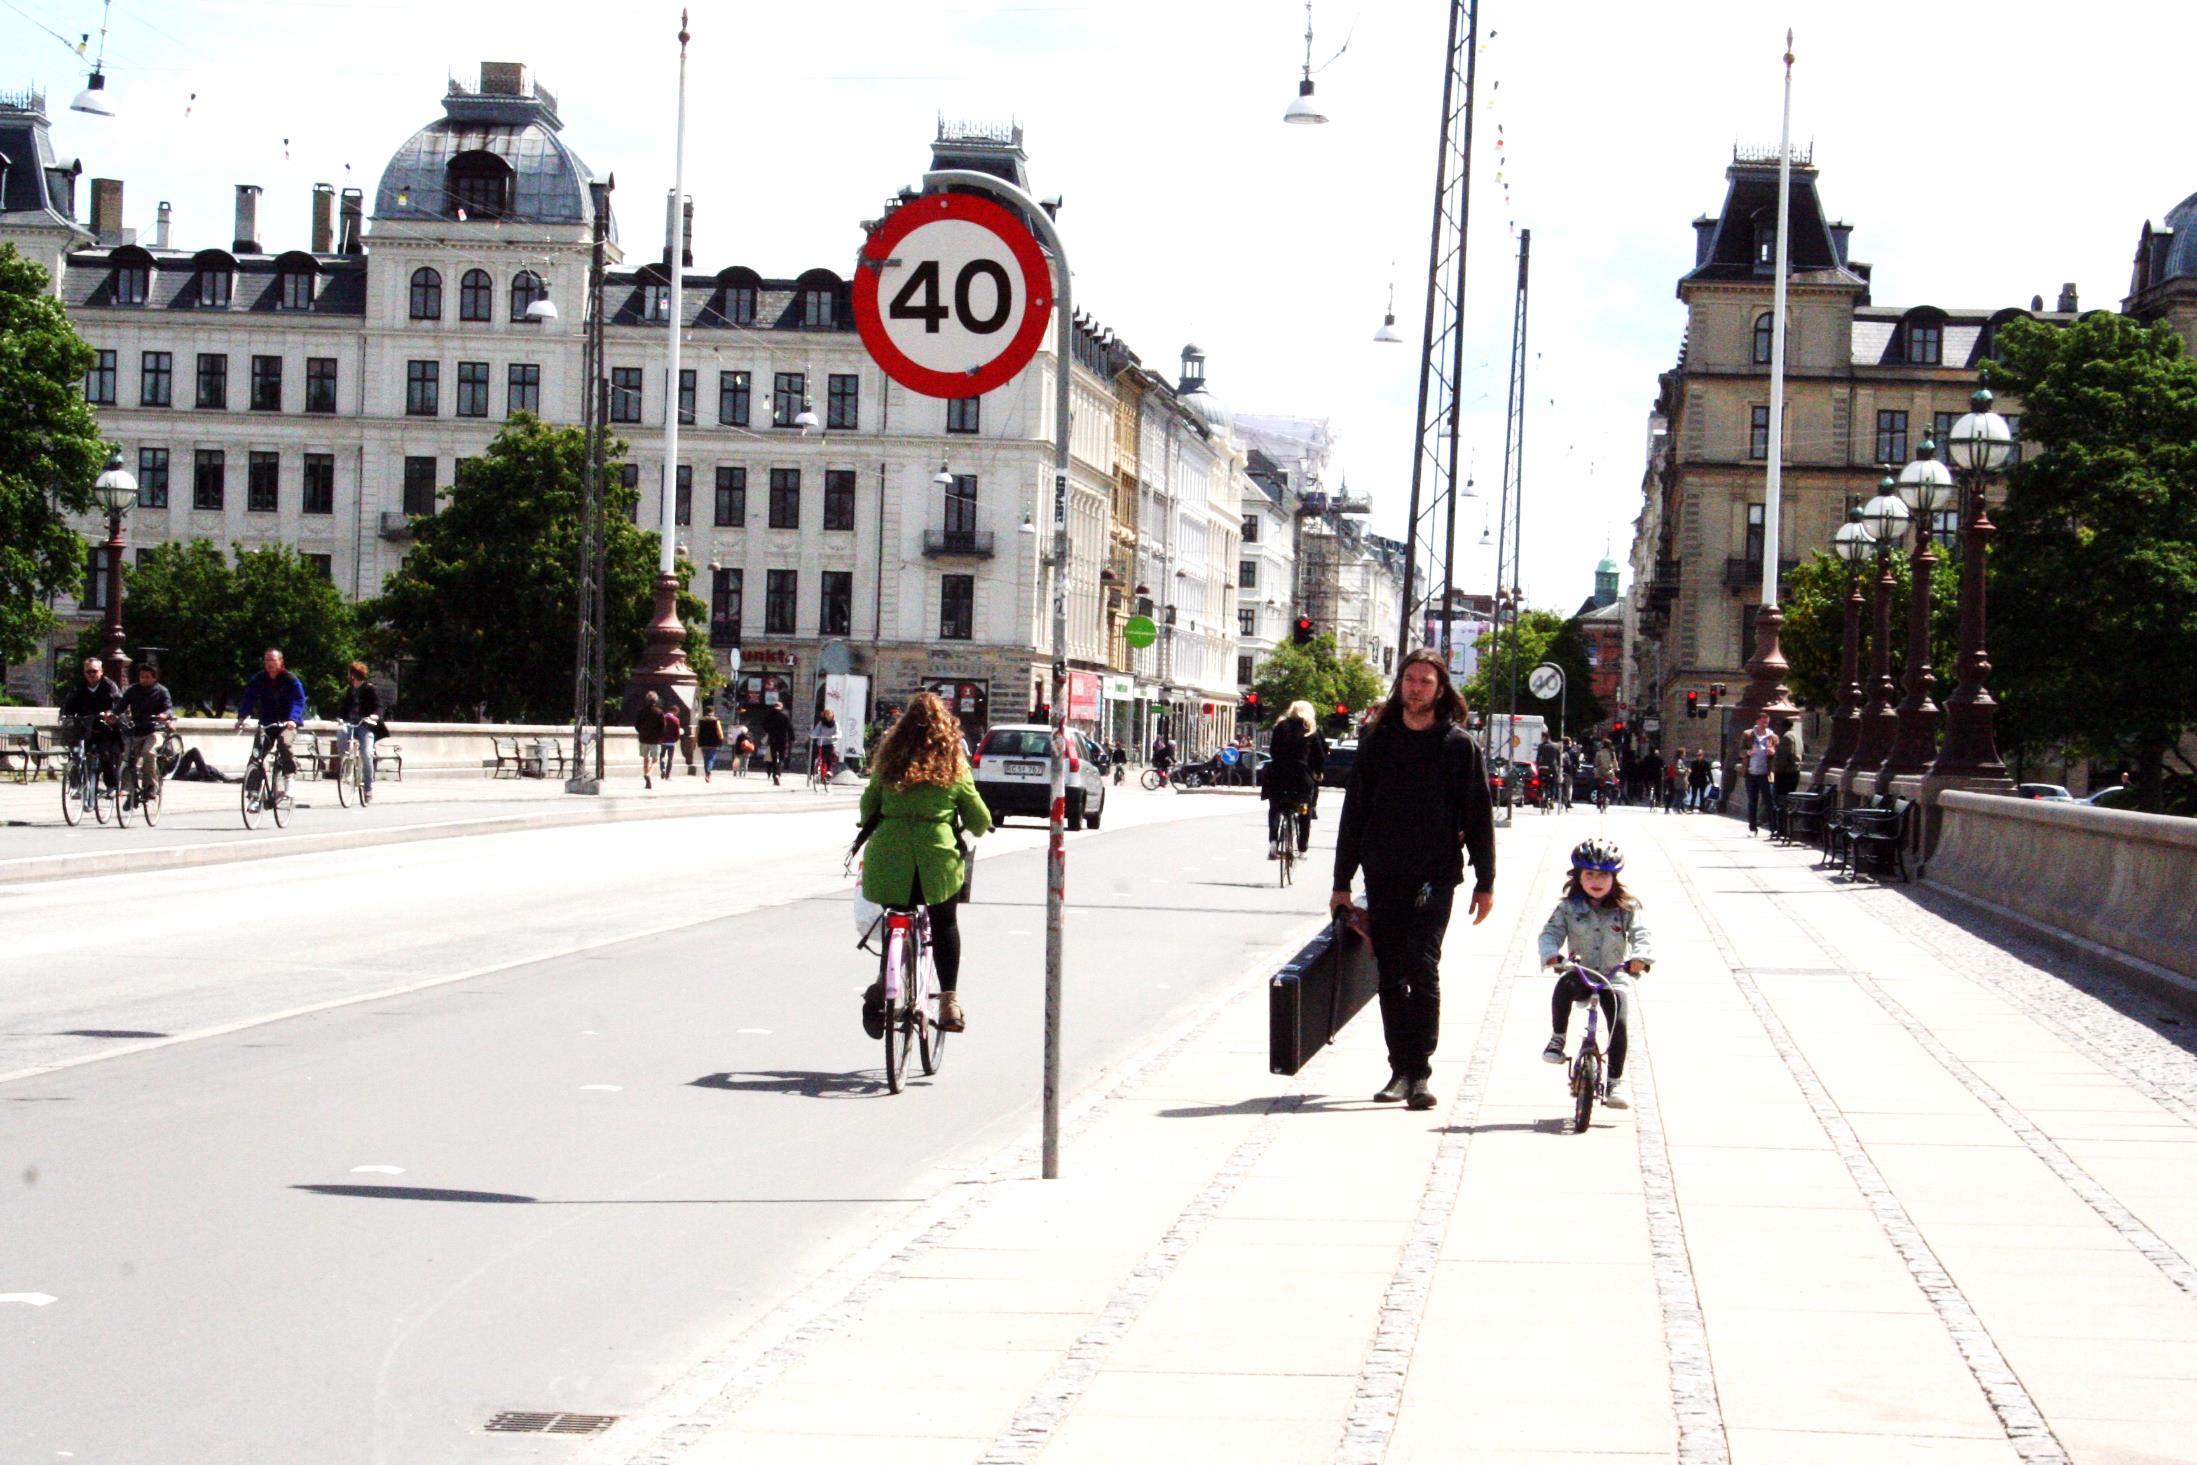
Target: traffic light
[
  {"x": 1716, "y": 691},
  {"x": 1301, "y": 633},
  {"x": 1693, "y": 704},
  {"x": 1342, "y": 709},
  {"x": 1251, "y": 706}
]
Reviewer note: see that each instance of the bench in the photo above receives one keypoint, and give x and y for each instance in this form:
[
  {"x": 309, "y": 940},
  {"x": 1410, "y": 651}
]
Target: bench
[
  {"x": 1877, "y": 834},
  {"x": 545, "y": 757},
  {"x": 22, "y": 753},
  {"x": 507, "y": 756},
  {"x": 388, "y": 756},
  {"x": 312, "y": 759}
]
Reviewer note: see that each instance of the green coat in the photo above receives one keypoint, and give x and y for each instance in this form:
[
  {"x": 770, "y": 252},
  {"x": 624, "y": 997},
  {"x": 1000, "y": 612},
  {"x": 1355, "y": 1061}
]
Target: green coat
[{"x": 915, "y": 835}]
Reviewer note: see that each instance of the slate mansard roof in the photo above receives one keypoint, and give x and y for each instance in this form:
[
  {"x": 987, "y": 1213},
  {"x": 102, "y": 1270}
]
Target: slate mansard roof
[{"x": 509, "y": 117}]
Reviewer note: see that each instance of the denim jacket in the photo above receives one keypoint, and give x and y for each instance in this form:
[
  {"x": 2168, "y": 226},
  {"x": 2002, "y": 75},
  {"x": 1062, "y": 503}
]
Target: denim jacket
[{"x": 1597, "y": 936}]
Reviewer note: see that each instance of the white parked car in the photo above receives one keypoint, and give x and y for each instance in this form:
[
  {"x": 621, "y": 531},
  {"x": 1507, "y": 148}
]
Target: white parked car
[{"x": 1013, "y": 774}]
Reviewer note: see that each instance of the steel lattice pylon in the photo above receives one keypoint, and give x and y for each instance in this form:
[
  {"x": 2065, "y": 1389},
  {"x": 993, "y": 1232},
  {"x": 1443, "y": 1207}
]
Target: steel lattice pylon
[{"x": 1431, "y": 525}]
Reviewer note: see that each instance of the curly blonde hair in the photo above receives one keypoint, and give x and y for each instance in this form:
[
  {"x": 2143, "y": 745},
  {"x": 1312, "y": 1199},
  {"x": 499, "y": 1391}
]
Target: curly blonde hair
[{"x": 924, "y": 746}]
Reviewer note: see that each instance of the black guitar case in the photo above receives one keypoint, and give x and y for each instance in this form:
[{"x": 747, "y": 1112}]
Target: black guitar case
[{"x": 1310, "y": 1000}]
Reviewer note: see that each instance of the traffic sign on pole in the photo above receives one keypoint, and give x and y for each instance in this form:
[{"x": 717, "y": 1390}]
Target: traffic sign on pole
[
  {"x": 952, "y": 295},
  {"x": 1139, "y": 632},
  {"x": 1546, "y": 682}
]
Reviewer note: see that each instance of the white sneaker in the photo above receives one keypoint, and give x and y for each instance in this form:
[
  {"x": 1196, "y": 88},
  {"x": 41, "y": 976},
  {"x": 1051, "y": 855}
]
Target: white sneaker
[{"x": 1618, "y": 1095}]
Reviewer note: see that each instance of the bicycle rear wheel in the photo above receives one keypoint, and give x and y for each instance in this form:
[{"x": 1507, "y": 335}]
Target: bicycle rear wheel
[
  {"x": 104, "y": 800},
  {"x": 930, "y": 1037},
  {"x": 254, "y": 795},
  {"x": 1586, "y": 1083},
  {"x": 125, "y": 797},
  {"x": 346, "y": 788},
  {"x": 278, "y": 797},
  {"x": 148, "y": 801},
  {"x": 72, "y": 792},
  {"x": 1151, "y": 779}
]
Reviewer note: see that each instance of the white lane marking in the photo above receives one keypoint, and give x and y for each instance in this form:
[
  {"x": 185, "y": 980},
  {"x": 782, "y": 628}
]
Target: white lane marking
[
  {"x": 589, "y": 1033},
  {"x": 31, "y": 1299},
  {"x": 758, "y": 1032},
  {"x": 1018, "y": 933},
  {"x": 1166, "y": 986},
  {"x": 602, "y": 1088},
  {"x": 377, "y": 1169}
]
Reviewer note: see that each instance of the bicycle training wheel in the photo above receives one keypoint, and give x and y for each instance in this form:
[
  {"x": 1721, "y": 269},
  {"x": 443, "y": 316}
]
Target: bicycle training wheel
[
  {"x": 254, "y": 797},
  {"x": 72, "y": 793},
  {"x": 1586, "y": 1083},
  {"x": 278, "y": 799},
  {"x": 1150, "y": 779}
]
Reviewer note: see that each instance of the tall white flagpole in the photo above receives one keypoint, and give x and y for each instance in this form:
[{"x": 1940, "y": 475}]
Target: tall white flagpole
[
  {"x": 675, "y": 262},
  {"x": 1777, "y": 340}
]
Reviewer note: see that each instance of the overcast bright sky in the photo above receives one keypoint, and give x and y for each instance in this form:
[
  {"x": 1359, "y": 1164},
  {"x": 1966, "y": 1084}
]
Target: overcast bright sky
[{"x": 1984, "y": 154}]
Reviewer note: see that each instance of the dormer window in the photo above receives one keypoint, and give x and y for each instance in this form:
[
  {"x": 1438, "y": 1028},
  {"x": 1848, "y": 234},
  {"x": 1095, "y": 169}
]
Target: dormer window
[
  {"x": 1925, "y": 344},
  {"x": 656, "y": 302},
  {"x": 214, "y": 287},
  {"x": 1766, "y": 239},
  {"x": 478, "y": 186},
  {"x": 740, "y": 305},
  {"x": 739, "y": 295},
  {"x": 816, "y": 307},
  {"x": 296, "y": 289},
  {"x": 131, "y": 283}
]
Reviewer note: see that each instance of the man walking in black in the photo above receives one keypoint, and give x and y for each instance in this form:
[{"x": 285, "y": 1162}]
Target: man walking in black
[{"x": 1417, "y": 803}]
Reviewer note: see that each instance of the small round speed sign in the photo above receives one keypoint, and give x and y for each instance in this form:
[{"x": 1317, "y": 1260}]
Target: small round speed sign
[
  {"x": 951, "y": 295},
  {"x": 1546, "y": 681}
]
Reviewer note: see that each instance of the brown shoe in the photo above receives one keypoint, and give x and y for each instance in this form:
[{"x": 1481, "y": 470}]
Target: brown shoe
[{"x": 950, "y": 1019}]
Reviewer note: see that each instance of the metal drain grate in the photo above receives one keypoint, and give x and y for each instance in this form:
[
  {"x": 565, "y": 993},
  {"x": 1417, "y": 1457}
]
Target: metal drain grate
[{"x": 516, "y": 1421}]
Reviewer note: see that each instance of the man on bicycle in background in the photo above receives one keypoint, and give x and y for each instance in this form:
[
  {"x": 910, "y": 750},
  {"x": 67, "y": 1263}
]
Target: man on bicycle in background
[
  {"x": 277, "y": 697},
  {"x": 146, "y": 709},
  {"x": 93, "y": 703}
]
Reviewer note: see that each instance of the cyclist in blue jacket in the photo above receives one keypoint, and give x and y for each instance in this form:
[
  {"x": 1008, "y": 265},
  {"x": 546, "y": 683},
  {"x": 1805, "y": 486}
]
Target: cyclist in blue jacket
[
  {"x": 277, "y": 697},
  {"x": 1600, "y": 922}
]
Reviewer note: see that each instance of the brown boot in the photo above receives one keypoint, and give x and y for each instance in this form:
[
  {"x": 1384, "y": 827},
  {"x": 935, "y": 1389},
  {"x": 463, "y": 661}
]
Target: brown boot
[{"x": 950, "y": 1019}]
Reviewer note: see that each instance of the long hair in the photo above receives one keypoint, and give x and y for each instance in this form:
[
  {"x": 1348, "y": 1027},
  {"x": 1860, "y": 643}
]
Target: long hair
[
  {"x": 1449, "y": 704},
  {"x": 1300, "y": 712},
  {"x": 1623, "y": 899},
  {"x": 924, "y": 746}
]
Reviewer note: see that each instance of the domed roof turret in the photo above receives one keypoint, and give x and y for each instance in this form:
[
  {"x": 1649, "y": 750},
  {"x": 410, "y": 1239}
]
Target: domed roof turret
[
  {"x": 1190, "y": 390},
  {"x": 494, "y": 154},
  {"x": 2181, "y": 254},
  {"x": 1607, "y": 567}
]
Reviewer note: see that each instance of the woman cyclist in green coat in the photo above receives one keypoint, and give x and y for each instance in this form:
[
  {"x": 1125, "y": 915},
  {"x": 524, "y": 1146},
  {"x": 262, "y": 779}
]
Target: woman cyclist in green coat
[{"x": 920, "y": 796}]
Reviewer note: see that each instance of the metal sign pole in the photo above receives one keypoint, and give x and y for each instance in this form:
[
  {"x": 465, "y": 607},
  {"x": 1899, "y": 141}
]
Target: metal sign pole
[{"x": 1056, "y": 845}]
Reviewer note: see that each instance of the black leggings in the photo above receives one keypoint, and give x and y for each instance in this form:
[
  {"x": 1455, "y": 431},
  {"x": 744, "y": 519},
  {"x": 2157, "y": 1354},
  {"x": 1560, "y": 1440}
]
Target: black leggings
[
  {"x": 945, "y": 939},
  {"x": 1571, "y": 988},
  {"x": 1279, "y": 818}
]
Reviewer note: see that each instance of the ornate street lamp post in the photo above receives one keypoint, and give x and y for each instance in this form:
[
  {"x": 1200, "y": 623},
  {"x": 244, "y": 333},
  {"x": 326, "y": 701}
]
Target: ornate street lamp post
[
  {"x": 1925, "y": 485},
  {"x": 1981, "y": 445},
  {"x": 116, "y": 491},
  {"x": 1886, "y": 517},
  {"x": 1853, "y": 544}
]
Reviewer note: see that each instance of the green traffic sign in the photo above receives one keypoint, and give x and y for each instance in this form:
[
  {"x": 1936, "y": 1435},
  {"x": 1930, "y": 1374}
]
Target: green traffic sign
[{"x": 1139, "y": 631}]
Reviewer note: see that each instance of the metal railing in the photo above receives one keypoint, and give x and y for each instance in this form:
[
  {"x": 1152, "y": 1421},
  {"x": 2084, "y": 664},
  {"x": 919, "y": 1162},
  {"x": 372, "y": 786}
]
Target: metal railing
[{"x": 973, "y": 542}]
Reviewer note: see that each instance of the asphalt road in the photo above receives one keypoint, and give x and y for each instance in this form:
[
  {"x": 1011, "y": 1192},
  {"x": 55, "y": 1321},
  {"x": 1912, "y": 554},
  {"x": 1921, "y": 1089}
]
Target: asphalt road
[{"x": 331, "y": 1158}]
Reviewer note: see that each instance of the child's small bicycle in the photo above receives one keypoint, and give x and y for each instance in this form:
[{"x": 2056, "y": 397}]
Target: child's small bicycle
[{"x": 1589, "y": 1068}]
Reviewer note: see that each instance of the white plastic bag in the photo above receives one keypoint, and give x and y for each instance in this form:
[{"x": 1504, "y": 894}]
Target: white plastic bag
[{"x": 866, "y": 910}]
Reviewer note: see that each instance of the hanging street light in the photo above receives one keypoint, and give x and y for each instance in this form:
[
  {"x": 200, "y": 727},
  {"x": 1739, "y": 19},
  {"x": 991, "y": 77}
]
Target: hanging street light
[
  {"x": 806, "y": 419},
  {"x": 1302, "y": 110},
  {"x": 944, "y": 477},
  {"x": 1388, "y": 334},
  {"x": 93, "y": 100}
]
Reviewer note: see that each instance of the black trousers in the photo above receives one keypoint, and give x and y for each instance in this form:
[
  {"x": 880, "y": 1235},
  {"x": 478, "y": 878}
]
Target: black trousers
[
  {"x": 1407, "y": 948},
  {"x": 945, "y": 938},
  {"x": 1279, "y": 816},
  {"x": 1616, "y": 1006}
]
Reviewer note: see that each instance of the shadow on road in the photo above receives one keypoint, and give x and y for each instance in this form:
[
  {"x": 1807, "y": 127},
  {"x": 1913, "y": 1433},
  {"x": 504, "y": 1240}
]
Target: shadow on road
[
  {"x": 1552, "y": 1125},
  {"x": 1307, "y": 1104},
  {"x": 808, "y": 1085},
  {"x": 108, "y": 1033},
  {"x": 501, "y": 1198}
]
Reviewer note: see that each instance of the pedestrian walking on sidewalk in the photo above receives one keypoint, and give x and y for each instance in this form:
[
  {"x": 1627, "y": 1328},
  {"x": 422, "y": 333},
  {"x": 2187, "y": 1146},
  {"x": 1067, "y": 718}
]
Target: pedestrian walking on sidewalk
[
  {"x": 1758, "y": 745},
  {"x": 1674, "y": 782},
  {"x": 667, "y": 744},
  {"x": 709, "y": 736},
  {"x": 648, "y": 731},
  {"x": 1785, "y": 764},
  {"x": 777, "y": 738},
  {"x": 1416, "y": 805},
  {"x": 1697, "y": 781},
  {"x": 739, "y": 745},
  {"x": 1651, "y": 775},
  {"x": 1600, "y": 923}
]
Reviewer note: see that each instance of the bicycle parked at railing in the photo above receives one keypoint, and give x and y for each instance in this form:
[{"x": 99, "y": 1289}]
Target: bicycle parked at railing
[
  {"x": 83, "y": 791},
  {"x": 266, "y": 786},
  {"x": 1589, "y": 1067}
]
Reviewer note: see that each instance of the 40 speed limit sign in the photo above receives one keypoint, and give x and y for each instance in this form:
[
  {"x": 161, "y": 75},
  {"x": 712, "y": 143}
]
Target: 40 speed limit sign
[{"x": 952, "y": 295}]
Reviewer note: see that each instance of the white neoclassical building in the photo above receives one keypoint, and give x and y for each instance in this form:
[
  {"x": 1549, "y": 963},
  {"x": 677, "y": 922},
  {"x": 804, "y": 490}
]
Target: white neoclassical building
[{"x": 313, "y": 379}]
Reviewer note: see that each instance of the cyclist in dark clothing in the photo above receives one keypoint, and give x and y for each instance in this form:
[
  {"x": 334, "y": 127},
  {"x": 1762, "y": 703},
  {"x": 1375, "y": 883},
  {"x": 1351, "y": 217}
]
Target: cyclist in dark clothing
[
  {"x": 277, "y": 697},
  {"x": 1417, "y": 804},
  {"x": 1289, "y": 779},
  {"x": 146, "y": 707},
  {"x": 93, "y": 702}
]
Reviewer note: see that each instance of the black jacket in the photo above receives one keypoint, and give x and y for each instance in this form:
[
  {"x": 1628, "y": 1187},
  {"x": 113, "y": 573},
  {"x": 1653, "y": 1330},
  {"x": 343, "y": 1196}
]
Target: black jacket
[
  {"x": 91, "y": 701},
  {"x": 1288, "y": 778},
  {"x": 1417, "y": 804},
  {"x": 361, "y": 703},
  {"x": 141, "y": 705}
]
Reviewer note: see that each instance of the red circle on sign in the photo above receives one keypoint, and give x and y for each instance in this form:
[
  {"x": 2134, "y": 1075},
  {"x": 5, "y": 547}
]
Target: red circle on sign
[{"x": 1037, "y": 286}]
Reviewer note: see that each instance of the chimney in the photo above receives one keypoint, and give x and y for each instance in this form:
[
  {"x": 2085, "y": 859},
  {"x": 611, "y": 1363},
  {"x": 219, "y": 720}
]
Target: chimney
[
  {"x": 2036, "y": 304},
  {"x": 1839, "y": 235},
  {"x": 686, "y": 235},
  {"x": 160, "y": 230},
  {"x": 354, "y": 217},
  {"x": 324, "y": 218},
  {"x": 107, "y": 209},
  {"x": 247, "y": 219},
  {"x": 1704, "y": 239},
  {"x": 2067, "y": 303}
]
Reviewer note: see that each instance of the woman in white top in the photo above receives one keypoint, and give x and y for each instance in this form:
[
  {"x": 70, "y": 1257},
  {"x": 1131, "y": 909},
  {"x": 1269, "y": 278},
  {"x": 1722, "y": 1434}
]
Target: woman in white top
[{"x": 824, "y": 738}]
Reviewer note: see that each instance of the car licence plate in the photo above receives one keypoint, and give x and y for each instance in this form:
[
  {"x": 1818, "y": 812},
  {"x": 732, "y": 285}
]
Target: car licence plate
[{"x": 1034, "y": 769}]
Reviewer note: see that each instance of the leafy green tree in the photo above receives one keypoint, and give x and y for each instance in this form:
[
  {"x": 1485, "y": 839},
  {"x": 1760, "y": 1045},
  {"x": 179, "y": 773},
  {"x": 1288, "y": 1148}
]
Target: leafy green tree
[
  {"x": 1543, "y": 635},
  {"x": 50, "y": 453},
  {"x": 2094, "y": 595},
  {"x": 214, "y": 619},
  {"x": 1319, "y": 675},
  {"x": 1814, "y": 637},
  {"x": 485, "y": 607}
]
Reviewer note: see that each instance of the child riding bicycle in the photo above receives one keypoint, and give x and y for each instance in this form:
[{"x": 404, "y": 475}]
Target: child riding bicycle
[{"x": 1600, "y": 922}]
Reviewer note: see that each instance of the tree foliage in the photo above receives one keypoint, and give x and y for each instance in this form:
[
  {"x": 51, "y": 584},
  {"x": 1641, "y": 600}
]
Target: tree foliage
[
  {"x": 2094, "y": 594},
  {"x": 50, "y": 453},
  {"x": 485, "y": 607},
  {"x": 212, "y": 619},
  {"x": 1814, "y": 637},
  {"x": 1319, "y": 675},
  {"x": 1542, "y": 635}
]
